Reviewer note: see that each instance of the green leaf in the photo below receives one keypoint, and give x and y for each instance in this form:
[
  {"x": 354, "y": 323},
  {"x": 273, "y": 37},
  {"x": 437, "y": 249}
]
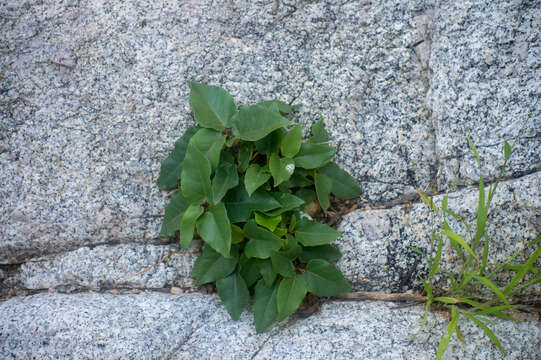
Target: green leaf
[
  {"x": 240, "y": 206},
  {"x": 343, "y": 185},
  {"x": 213, "y": 107},
  {"x": 244, "y": 155},
  {"x": 291, "y": 144},
  {"x": 187, "y": 225},
  {"x": 287, "y": 202},
  {"x": 296, "y": 180},
  {"x": 174, "y": 211},
  {"x": 270, "y": 143},
  {"x": 195, "y": 177},
  {"x": 210, "y": 143},
  {"x": 506, "y": 150},
  {"x": 255, "y": 177},
  {"x": 312, "y": 156},
  {"x": 234, "y": 294},
  {"x": 171, "y": 167},
  {"x": 281, "y": 169},
  {"x": 265, "y": 306},
  {"x": 307, "y": 195},
  {"x": 451, "y": 328},
  {"x": 324, "y": 252},
  {"x": 324, "y": 279},
  {"x": 282, "y": 264},
  {"x": 489, "y": 284},
  {"x": 312, "y": 233},
  {"x": 261, "y": 242},
  {"x": 280, "y": 105},
  {"x": 280, "y": 232},
  {"x": 249, "y": 270},
  {"x": 226, "y": 177},
  {"x": 211, "y": 266},
  {"x": 523, "y": 271},
  {"x": 323, "y": 190},
  {"x": 237, "y": 234},
  {"x": 292, "y": 250},
  {"x": 487, "y": 331},
  {"x": 254, "y": 122},
  {"x": 215, "y": 229},
  {"x": 319, "y": 134},
  {"x": 457, "y": 238},
  {"x": 267, "y": 221},
  {"x": 267, "y": 272},
  {"x": 291, "y": 292}
]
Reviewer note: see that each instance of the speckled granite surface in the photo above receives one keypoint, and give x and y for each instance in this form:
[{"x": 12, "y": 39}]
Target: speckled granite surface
[
  {"x": 93, "y": 95},
  {"x": 190, "y": 326}
]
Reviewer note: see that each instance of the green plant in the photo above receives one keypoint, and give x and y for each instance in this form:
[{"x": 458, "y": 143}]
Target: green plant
[
  {"x": 244, "y": 183},
  {"x": 475, "y": 268}
]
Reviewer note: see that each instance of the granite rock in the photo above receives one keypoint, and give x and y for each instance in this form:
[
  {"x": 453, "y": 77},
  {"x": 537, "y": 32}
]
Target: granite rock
[
  {"x": 51, "y": 326},
  {"x": 485, "y": 64}
]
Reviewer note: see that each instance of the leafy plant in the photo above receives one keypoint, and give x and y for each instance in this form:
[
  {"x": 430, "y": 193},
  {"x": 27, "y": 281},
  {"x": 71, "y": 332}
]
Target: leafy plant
[
  {"x": 475, "y": 268},
  {"x": 244, "y": 181}
]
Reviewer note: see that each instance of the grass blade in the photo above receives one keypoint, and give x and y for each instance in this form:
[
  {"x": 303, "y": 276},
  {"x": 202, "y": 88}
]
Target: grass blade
[
  {"x": 428, "y": 202},
  {"x": 523, "y": 271},
  {"x": 484, "y": 256},
  {"x": 447, "y": 300},
  {"x": 487, "y": 331},
  {"x": 423, "y": 323},
  {"x": 489, "y": 284},
  {"x": 436, "y": 260},
  {"x": 531, "y": 243},
  {"x": 457, "y": 238},
  {"x": 526, "y": 284},
  {"x": 451, "y": 328}
]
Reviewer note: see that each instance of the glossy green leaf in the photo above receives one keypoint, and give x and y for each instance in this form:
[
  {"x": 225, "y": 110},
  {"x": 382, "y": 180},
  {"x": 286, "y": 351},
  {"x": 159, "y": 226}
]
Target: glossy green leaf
[
  {"x": 211, "y": 266},
  {"x": 254, "y": 122},
  {"x": 312, "y": 156},
  {"x": 210, "y": 143},
  {"x": 267, "y": 221},
  {"x": 323, "y": 252},
  {"x": 226, "y": 177},
  {"x": 280, "y": 232},
  {"x": 213, "y": 107},
  {"x": 234, "y": 294},
  {"x": 171, "y": 167},
  {"x": 291, "y": 144},
  {"x": 195, "y": 177},
  {"x": 267, "y": 272},
  {"x": 270, "y": 143},
  {"x": 296, "y": 180},
  {"x": 255, "y": 177},
  {"x": 240, "y": 206},
  {"x": 291, "y": 292},
  {"x": 237, "y": 234},
  {"x": 249, "y": 270},
  {"x": 287, "y": 202},
  {"x": 244, "y": 155},
  {"x": 187, "y": 225},
  {"x": 312, "y": 233},
  {"x": 174, "y": 211},
  {"x": 324, "y": 279},
  {"x": 281, "y": 169},
  {"x": 343, "y": 185},
  {"x": 279, "y": 106},
  {"x": 214, "y": 227},
  {"x": 323, "y": 190},
  {"x": 265, "y": 306},
  {"x": 307, "y": 195},
  {"x": 282, "y": 264},
  {"x": 261, "y": 242},
  {"x": 319, "y": 134}
]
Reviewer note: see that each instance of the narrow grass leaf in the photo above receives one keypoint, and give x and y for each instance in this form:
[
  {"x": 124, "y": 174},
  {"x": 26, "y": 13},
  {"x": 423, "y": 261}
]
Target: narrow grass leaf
[
  {"x": 457, "y": 238},
  {"x": 487, "y": 331},
  {"x": 523, "y": 271},
  {"x": 489, "y": 284}
]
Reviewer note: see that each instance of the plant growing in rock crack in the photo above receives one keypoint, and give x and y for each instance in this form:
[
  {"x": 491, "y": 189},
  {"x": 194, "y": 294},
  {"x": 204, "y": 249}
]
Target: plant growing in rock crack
[
  {"x": 476, "y": 268},
  {"x": 245, "y": 181}
]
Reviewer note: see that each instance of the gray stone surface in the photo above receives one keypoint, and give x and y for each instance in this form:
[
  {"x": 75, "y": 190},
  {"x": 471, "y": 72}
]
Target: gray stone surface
[
  {"x": 85, "y": 326},
  {"x": 485, "y": 61},
  {"x": 376, "y": 243},
  {"x": 106, "y": 267},
  {"x": 94, "y": 95}
]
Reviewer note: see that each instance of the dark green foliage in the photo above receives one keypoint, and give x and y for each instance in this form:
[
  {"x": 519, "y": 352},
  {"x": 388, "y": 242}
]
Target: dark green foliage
[{"x": 243, "y": 181}]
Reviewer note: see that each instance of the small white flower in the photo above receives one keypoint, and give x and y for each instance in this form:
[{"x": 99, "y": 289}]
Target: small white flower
[{"x": 290, "y": 168}]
